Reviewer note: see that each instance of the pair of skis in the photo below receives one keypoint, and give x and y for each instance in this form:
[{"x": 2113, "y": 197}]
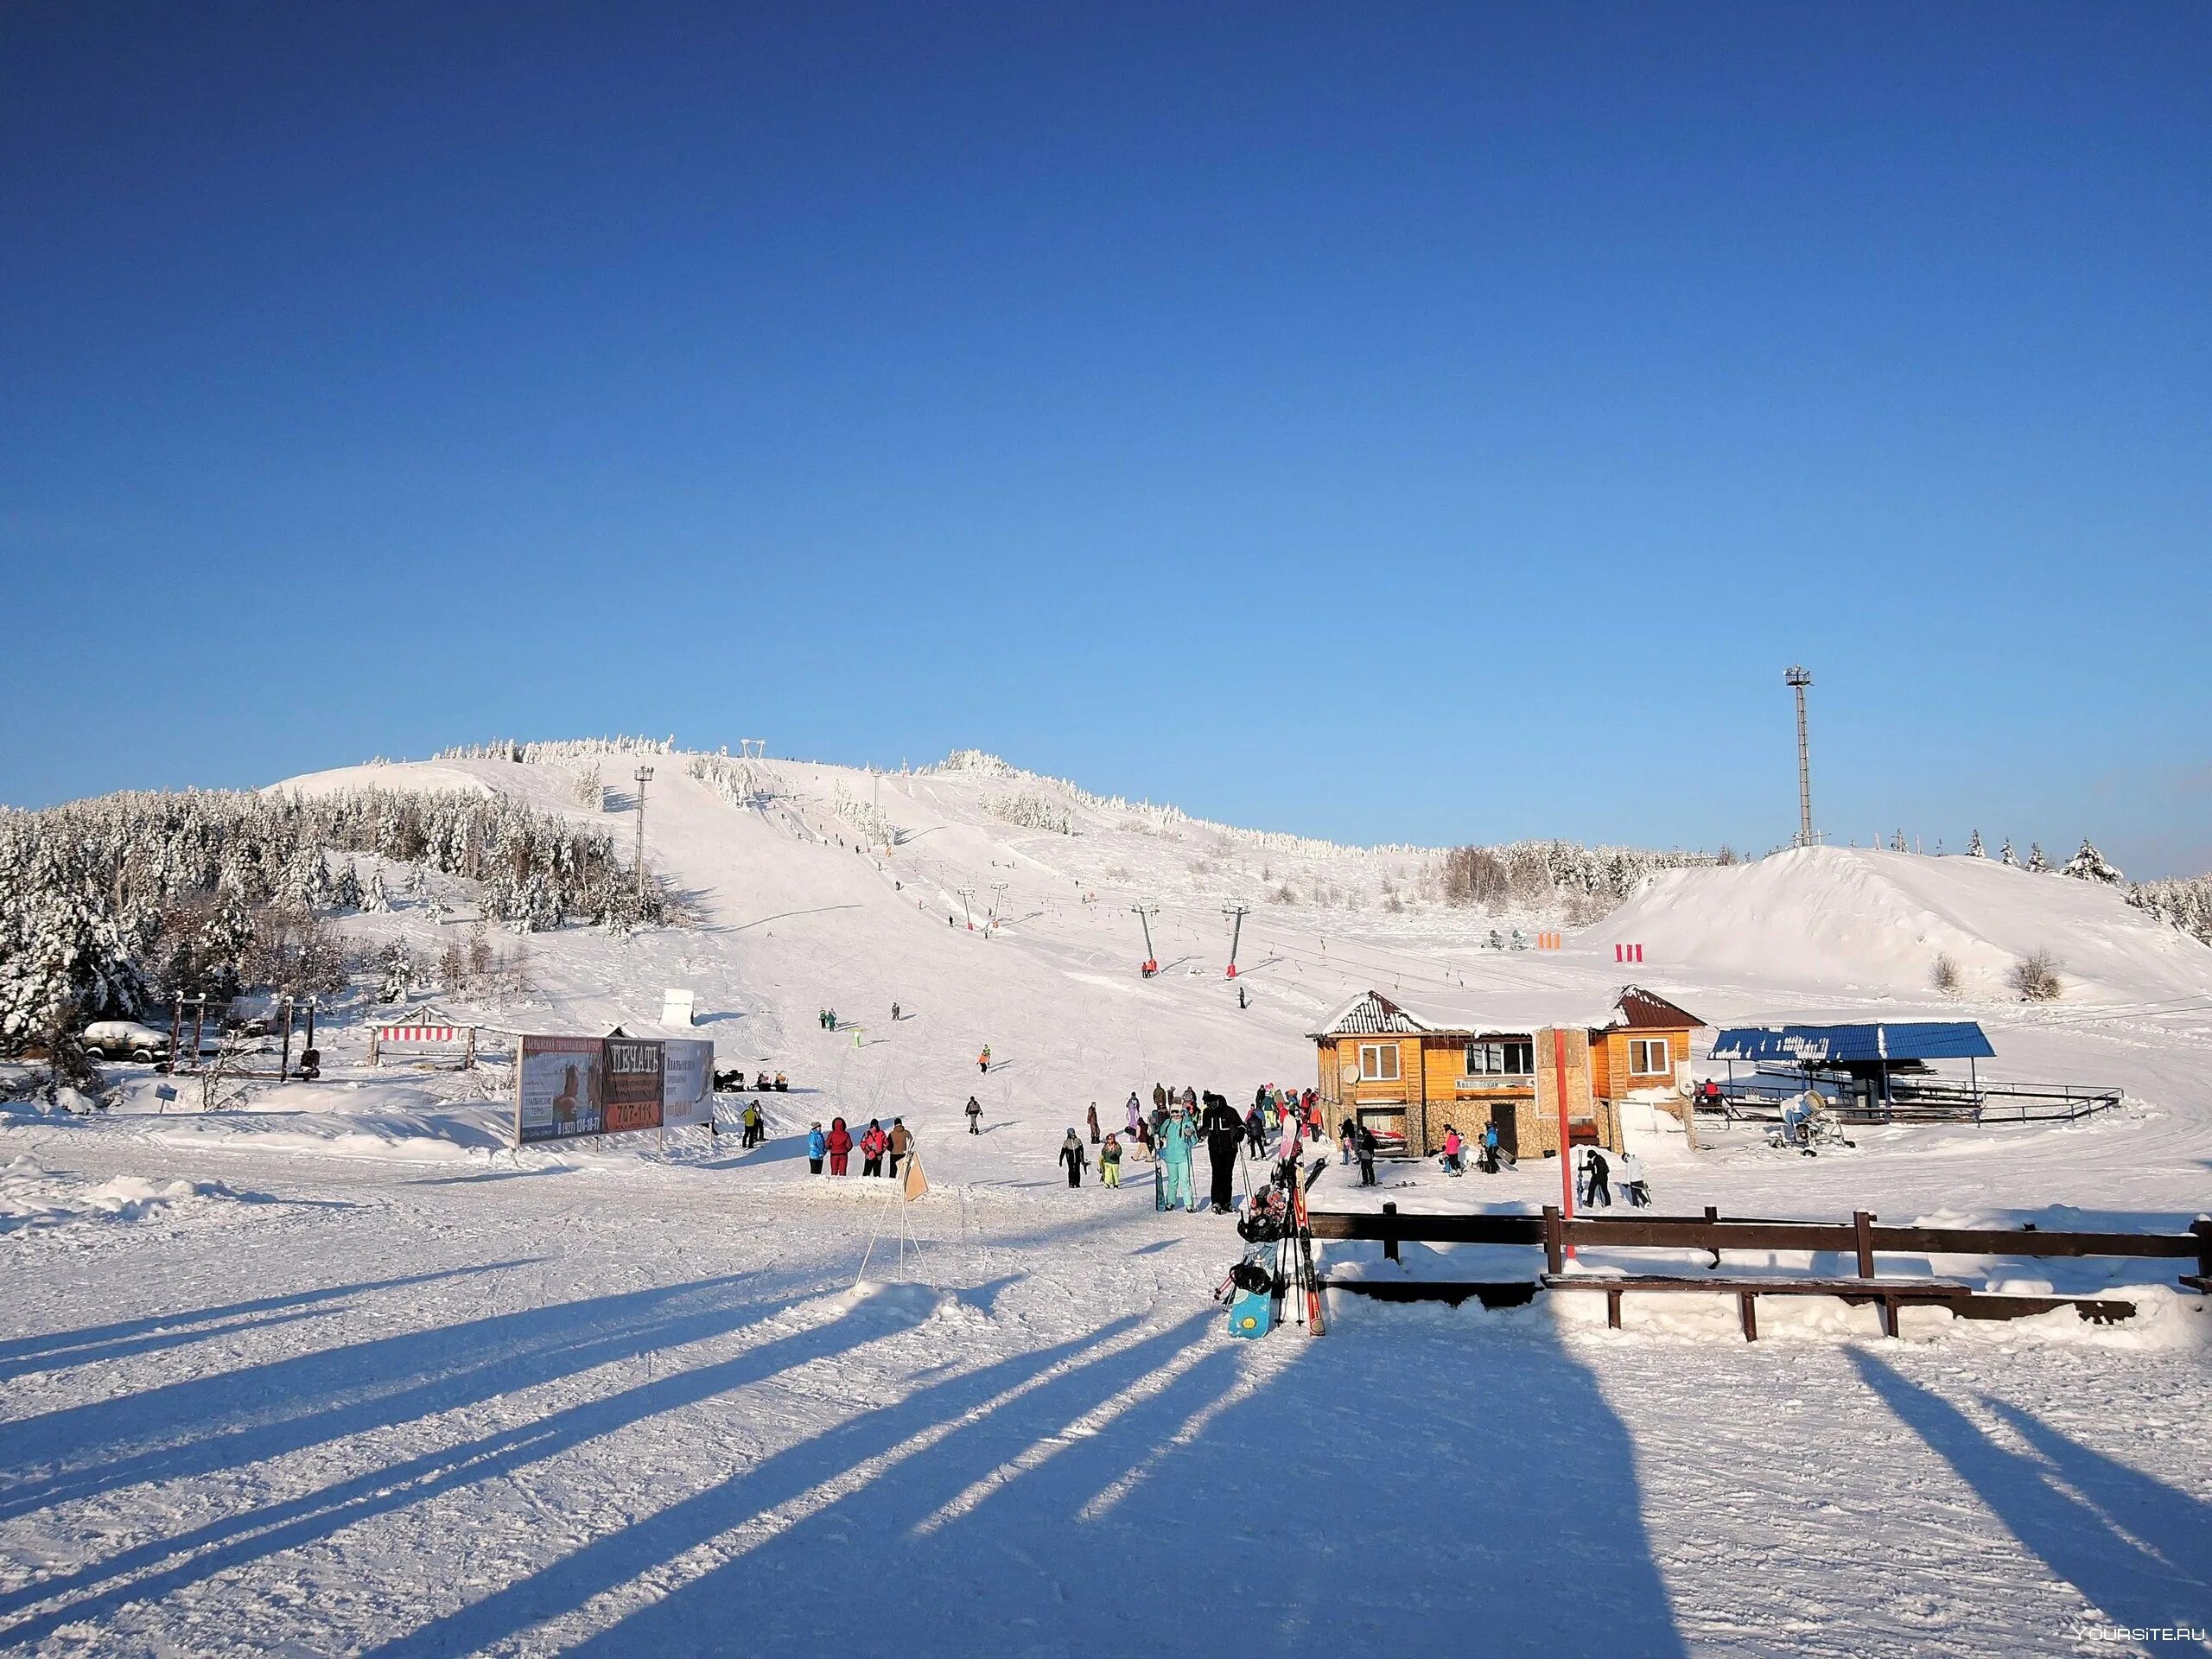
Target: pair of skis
[{"x": 1294, "y": 1272}]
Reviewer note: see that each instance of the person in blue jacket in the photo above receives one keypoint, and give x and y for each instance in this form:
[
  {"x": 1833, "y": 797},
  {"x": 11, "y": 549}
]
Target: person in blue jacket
[
  {"x": 818, "y": 1145},
  {"x": 1176, "y": 1140}
]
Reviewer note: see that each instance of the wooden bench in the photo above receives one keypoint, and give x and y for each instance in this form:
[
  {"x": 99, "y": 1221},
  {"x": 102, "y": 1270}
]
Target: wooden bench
[{"x": 1964, "y": 1300}]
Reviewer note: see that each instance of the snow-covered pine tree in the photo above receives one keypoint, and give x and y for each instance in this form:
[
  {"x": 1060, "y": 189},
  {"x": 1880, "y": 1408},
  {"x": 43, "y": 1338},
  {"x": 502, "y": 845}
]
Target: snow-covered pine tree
[
  {"x": 1973, "y": 846},
  {"x": 375, "y": 901},
  {"x": 1896, "y": 841},
  {"x": 2037, "y": 862},
  {"x": 345, "y": 892},
  {"x": 2089, "y": 865},
  {"x": 396, "y": 964},
  {"x": 2006, "y": 856}
]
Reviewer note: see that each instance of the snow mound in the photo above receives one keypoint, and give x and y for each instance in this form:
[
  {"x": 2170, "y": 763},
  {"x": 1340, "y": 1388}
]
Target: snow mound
[
  {"x": 1877, "y": 920},
  {"x": 32, "y": 1197}
]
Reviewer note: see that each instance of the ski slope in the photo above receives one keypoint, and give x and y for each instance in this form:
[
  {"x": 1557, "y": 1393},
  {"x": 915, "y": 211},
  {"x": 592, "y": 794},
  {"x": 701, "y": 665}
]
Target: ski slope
[{"x": 336, "y": 1371}]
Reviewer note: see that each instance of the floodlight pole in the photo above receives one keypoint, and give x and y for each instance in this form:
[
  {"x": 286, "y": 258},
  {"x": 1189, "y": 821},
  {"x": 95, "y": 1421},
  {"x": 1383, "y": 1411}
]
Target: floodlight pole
[
  {"x": 998, "y": 896},
  {"x": 1237, "y": 913},
  {"x": 966, "y": 893},
  {"x": 1797, "y": 679},
  {"x": 644, "y": 775}
]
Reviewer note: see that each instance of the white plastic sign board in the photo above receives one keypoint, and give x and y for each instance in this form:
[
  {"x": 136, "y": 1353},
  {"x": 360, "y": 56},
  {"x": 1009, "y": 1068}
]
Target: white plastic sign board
[
  {"x": 687, "y": 1082},
  {"x": 676, "y": 1008}
]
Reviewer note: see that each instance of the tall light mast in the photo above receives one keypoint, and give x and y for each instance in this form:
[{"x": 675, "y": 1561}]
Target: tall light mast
[{"x": 1797, "y": 679}]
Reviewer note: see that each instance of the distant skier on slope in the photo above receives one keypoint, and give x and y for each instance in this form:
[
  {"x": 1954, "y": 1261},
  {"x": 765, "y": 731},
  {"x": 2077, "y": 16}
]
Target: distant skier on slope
[
  {"x": 984, "y": 1060},
  {"x": 1093, "y": 1116},
  {"x": 975, "y": 1117}
]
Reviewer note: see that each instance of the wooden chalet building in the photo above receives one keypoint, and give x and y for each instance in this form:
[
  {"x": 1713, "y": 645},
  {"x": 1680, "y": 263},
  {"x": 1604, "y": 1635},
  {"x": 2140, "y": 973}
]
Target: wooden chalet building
[{"x": 1409, "y": 1078}]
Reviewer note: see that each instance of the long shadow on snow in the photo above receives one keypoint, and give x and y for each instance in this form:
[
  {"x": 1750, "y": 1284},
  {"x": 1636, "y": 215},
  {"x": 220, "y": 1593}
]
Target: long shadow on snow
[
  {"x": 620, "y": 1556},
  {"x": 239, "y": 1539},
  {"x": 2138, "y": 1549},
  {"x": 1418, "y": 1487},
  {"x": 211, "y": 1423},
  {"x": 21, "y": 1356}
]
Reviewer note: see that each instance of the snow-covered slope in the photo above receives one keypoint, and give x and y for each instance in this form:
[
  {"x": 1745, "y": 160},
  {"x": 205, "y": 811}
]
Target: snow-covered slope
[{"x": 1876, "y": 921}]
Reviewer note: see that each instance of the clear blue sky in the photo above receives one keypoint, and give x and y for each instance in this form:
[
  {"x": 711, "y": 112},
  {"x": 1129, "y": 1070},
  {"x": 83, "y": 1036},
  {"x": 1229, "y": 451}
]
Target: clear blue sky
[{"x": 1394, "y": 423}]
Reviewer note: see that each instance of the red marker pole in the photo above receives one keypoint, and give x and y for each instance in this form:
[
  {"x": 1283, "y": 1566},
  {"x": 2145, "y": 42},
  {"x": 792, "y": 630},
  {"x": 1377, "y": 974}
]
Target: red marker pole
[{"x": 1566, "y": 1171}]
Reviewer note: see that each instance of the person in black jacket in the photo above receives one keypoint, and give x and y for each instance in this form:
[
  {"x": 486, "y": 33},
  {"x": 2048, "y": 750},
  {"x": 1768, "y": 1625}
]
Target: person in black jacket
[
  {"x": 1072, "y": 1154},
  {"x": 1364, "y": 1144},
  {"x": 1225, "y": 1132}
]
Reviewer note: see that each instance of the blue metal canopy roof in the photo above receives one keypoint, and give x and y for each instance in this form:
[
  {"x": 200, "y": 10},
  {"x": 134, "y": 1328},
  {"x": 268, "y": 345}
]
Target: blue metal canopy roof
[{"x": 1912, "y": 1040}]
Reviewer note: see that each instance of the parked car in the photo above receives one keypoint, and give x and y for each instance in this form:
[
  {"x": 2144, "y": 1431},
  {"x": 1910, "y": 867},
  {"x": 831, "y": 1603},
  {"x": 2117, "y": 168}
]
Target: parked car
[{"x": 126, "y": 1039}]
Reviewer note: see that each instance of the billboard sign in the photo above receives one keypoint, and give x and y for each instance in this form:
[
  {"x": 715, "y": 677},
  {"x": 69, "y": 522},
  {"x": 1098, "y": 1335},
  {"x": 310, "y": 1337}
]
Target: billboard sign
[
  {"x": 560, "y": 1088},
  {"x": 687, "y": 1083},
  {"x": 633, "y": 1075}
]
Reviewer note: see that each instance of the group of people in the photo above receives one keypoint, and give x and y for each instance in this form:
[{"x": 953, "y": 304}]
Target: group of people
[
  {"x": 1488, "y": 1156},
  {"x": 1178, "y": 1123},
  {"x": 882, "y": 1150},
  {"x": 1598, "y": 1171}
]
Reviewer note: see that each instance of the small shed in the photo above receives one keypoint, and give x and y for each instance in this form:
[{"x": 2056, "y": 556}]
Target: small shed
[{"x": 1641, "y": 1049}]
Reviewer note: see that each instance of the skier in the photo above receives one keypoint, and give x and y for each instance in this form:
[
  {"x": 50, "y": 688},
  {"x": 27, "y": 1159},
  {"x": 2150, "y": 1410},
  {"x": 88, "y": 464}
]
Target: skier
[
  {"x": 1256, "y": 1130},
  {"x": 1224, "y": 1134},
  {"x": 1072, "y": 1154},
  {"x": 816, "y": 1144},
  {"x": 1175, "y": 1146},
  {"x": 840, "y": 1143},
  {"x": 1634, "y": 1188},
  {"x": 1454, "y": 1151},
  {"x": 1110, "y": 1161},
  {"x": 1364, "y": 1146},
  {"x": 1599, "y": 1174},
  {"x": 1094, "y": 1122},
  {"x": 984, "y": 1060},
  {"x": 898, "y": 1144},
  {"x": 871, "y": 1147},
  {"x": 975, "y": 1117}
]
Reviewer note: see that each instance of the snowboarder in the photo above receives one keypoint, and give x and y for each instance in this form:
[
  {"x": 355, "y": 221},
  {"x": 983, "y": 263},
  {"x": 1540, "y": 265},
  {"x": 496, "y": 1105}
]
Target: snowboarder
[
  {"x": 984, "y": 1060},
  {"x": 1094, "y": 1122},
  {"x": 1634, "y": 1188},
  {"x": 840, "y": 1143},
  {"x": 1173, "y": 1142},
  {"x": 1110, "y": 1162},
  {"x": 1364, "y": 1146},
  {"x": 975, "y": 1117},
  {"x": 1224, "y": 1134},
  {"x": 817, "y": 1145},
  {"x": 1073, "y": 1156},
  {"x": 897, "y": 1144}
]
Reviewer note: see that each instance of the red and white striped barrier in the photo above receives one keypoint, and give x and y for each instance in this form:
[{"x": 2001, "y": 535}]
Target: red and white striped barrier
[
  {"x": 1628, "y": 953},
  {"x": 417, "y": 1034},
  {"x": 1551, "y": 941}
]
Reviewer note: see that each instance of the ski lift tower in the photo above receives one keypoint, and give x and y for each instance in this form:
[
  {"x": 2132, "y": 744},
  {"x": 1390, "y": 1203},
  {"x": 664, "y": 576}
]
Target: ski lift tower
[
  {"x": 966, "y": 893},
  {"x": 1237, "y": 913},
  {"x": 1145, "y": 911},
  {"x": 643, "y": 775},
  {"x": 1797, "y": 679}
]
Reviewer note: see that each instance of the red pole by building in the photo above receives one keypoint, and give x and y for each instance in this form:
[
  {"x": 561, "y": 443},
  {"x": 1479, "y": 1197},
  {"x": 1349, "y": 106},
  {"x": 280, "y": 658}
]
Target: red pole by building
[{"x": 1558, "y": 1086}]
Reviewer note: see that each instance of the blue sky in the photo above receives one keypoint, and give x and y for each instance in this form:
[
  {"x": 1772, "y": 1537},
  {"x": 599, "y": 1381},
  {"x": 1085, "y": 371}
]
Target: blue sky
[{"x": 1426, "y": 424}]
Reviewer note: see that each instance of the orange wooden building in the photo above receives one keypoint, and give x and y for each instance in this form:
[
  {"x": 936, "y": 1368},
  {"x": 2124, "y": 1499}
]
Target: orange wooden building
[{"x": 1644, "y": 1051}]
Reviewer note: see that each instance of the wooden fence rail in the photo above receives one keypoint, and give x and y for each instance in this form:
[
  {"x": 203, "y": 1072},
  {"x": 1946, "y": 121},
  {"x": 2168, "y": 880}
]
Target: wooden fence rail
[{"x": 1713, "y": 1233}]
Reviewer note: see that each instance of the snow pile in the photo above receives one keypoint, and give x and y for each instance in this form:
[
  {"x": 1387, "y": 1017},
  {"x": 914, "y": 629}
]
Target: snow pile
[
  {"x": 32, "y": 1197},
  {"x": 1876, "y": 920}
]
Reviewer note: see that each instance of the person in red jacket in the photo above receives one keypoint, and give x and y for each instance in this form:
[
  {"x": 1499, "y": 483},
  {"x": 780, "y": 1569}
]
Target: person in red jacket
[
  {"x": 840, "y": 1145},
  {"x": 871, "y": 1147}
]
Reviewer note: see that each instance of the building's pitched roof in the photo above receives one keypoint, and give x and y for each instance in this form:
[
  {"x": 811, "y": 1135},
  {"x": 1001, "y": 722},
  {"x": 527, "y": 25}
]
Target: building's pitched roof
[
  {"x": 1370, "y": 1012},
  {"x": 1906, "y": 1040},
  {"x": 1637, "y": 1009}
]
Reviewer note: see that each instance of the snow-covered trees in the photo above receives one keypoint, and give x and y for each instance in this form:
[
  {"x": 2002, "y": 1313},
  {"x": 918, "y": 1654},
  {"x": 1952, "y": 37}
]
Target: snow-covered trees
[
  {"x": 2037, "y": 862},
  {"x": 2089, "y": 865},
  {"x": 1030, "y": 811},
  {"x": 2186, "y": 901},
  {"x": 1539, "y": 874},
  {"x": 62, "y": 959},
  {"x": 2005, "y": 857},
  {"x": 1973, "y": 846},
  {"x": 376, "y": 902}
]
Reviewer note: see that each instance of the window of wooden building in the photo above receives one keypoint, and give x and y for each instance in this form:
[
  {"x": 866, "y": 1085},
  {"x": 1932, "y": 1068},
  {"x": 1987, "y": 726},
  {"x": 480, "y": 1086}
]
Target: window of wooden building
[
  {"x": 1648, "y": 1057},
  {"x": 1378, "y": 1062},
  {"x": 1509, "y": 1057}
]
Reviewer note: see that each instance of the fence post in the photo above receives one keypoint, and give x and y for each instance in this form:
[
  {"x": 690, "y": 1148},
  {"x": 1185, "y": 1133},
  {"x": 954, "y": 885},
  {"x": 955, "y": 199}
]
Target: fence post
[
  {"x": 1862, "y": 1222},
  {"x": 1554, "y": 1241},
  {"x": 1713, "y": 1220},
  {"x": 1390, "y": 1233},
  {"x": 2203, "y": 1228}
]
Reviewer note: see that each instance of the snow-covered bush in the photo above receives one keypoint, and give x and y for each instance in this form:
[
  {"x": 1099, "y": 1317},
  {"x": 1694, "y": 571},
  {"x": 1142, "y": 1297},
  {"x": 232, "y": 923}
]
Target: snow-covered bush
[
  {"x": 2036, "y": 977},
  {"x": 871, "y": 820},
  {"x": 1944, "y": 976},
  {"x": 1029, "y": 811},
  {"x": 589, "y": 789}
]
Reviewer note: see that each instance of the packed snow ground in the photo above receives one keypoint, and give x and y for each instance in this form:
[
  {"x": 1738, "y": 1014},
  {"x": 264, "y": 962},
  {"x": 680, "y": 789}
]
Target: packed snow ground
[{"x": 336, "y": 1372}]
